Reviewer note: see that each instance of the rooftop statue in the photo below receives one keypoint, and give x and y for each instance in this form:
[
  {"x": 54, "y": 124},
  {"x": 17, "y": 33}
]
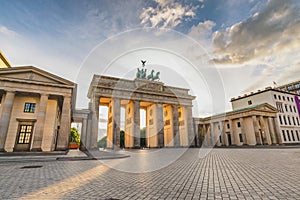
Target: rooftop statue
[{"x": 142, "y": 73}]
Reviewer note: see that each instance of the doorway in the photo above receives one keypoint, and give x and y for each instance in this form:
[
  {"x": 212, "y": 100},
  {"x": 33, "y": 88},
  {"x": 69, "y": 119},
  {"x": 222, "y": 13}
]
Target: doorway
[
  {"x": 24, "y": 136},
  {"x": 229, "y": 139}
]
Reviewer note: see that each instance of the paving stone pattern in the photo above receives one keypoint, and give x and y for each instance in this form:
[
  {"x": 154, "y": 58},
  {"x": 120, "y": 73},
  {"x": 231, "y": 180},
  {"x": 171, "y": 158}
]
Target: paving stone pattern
[{"x": 222, "y": 174}]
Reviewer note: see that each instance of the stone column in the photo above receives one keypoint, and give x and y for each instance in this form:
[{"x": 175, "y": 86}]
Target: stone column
[
  {"x": 212, "y": 134},
  {"x": 40, "y": 121},
  {"x": 136, "y": 123},
  {"x": 190, "y": 127},
  {"x": 65, "y": 125},
  {"x": 5, "y": 116},
  {"x": 256, "y": 130},
  {"x": 208, "y": 135},
  {"x": 204, "y": 135},
  {"x": 160, "y": 125},
  {"x": 233, "y": 139},
  {"x": 222, "y": 132},
  {"x": 83, "y": 136},
  {"x": 226, "y": 142},
  {"x": 243, "y": 131},
  {"x": 277, "y": 130},
  {"x": 176, "y": 136},
  {"x": 272, "y": 131},
  {"x": 196, "y": 130},
  {"x": 266, "y": 136},
  {"x": 116, "y": 106},
  {"x": 94, "y": 112},
  {"x": 89, "y": 127}
]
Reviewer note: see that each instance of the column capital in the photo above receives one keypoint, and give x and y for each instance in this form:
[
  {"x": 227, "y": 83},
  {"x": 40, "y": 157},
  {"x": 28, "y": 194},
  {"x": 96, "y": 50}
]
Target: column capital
[
  {"x": 44, "y": 94},
  {"x": 10, "y": 91}
]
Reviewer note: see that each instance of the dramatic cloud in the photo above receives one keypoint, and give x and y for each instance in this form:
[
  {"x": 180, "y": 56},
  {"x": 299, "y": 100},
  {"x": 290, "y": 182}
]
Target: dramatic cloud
[
  {"x": 167, "y": 14},
  {"x": 275, "y": 28}
]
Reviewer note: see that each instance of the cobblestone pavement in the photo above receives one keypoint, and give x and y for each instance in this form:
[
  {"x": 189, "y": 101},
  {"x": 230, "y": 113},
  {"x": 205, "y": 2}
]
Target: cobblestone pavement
[{"x": 222, "y": 174}]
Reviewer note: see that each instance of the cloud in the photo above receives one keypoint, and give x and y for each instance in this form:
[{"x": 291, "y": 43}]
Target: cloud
[
  {"x": 7, "y": 32},
  {"x": 167, "y": 14},
  {"x": 203, "y": 30},
  {"x": 272, "y": 30}
]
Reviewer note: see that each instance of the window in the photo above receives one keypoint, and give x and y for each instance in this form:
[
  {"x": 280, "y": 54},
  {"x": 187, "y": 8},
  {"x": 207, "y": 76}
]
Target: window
[
  {"x": 24, "y": 134},
  {"x": 228, "y": 126},
  {"x": 291, "y": 108},
  {"x": 249, "y": 102},
  {"x": 279, "y": 97},
  {"x": 297, "y": 121},
  {"x": 283, "y": 135},
  {"x": 284, "y": 120},
  {"x": 295, "y": 109},
  {"x": 241, "y": 137},
  {"x": 238, "y": 124},
  {"x": 289, "y": 120},
  {"x": 293, "y": 137},
  {"x": 280, "y": 120},
  {"x": 294, "y": 121},
  {"x": 275, "y": 97},
  {"x": 220, "y": 139},
  {"x": 286, "y": 109},
  {"x": 29, "y": 107},
  {"x": 288, "y": 134},
  {"x": 288, "y": 98},
  {"x": 293, "y": 99},
  {"x": 297, "y": 135},
  {"x": 279, "y": 107},
  {"x": 283, "y": 98}
]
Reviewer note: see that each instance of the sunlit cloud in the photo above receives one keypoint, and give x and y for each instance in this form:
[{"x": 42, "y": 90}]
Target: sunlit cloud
[
  {"x": 166, "y": 14},
  {"x": 270, "y": 30}
]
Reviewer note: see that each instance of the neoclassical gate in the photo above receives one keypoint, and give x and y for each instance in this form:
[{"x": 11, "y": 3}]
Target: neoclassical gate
[{"x": 169, "y": 121}]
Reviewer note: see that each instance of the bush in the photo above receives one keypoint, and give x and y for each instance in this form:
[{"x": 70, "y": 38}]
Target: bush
[{"x": 74, "y": 136}]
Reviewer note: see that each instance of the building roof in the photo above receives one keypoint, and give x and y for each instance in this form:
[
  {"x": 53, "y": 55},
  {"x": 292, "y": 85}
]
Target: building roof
[
  {"x": 288, "y": 84},
  {"x": 262, "y": 91},
  {"x": 33, "y": 74},
  {"x": 264, "y": 107},
  {"x": 4, "y": 63}
]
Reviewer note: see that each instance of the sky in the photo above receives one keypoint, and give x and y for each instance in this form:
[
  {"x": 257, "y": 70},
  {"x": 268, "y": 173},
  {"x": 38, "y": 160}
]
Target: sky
[{"x": 219, "y": 49}]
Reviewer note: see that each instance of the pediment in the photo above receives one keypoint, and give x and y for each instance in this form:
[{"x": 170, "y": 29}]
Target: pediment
[
  {"x": 32, "y": 74},
  {"x": 266, "y": 108}
]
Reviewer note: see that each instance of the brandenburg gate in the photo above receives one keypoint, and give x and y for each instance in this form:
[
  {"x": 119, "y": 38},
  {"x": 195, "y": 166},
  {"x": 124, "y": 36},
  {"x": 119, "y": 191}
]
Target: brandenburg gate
[{"x": 169, "y": 121}]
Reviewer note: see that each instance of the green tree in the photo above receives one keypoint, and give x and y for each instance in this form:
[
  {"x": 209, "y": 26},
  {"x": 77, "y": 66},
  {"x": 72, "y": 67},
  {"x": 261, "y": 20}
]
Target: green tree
[
  {"x": 143, "y": 137},
  {"x": 122, "y": 135},
  {"x": 74, "y": 136},
  {"x": 102, "y": 142}
]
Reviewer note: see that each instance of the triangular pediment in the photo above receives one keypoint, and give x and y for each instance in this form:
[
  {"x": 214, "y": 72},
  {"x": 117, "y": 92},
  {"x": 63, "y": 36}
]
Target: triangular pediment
[
  {"x": 32, "y": 74},
  {"x": 265, "y": 107}
]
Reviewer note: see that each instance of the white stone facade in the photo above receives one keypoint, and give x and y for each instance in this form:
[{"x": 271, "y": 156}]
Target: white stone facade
[{"x": 286, "y": 103}]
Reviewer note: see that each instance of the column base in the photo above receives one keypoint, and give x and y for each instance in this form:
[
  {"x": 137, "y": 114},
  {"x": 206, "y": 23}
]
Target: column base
[
  {"x": 61, "y": 149},
  {"x": 36, "y": 149}
]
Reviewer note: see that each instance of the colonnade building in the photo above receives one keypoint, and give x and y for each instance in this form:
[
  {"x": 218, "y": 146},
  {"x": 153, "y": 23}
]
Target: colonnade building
[
  {"x": 254, "y": 125},
  {"x": 169, "y": 121},
  {"x": 288, "y": 110},
  {"x": 35, "y": 110},
  {"x": 266, "y": 117}
]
